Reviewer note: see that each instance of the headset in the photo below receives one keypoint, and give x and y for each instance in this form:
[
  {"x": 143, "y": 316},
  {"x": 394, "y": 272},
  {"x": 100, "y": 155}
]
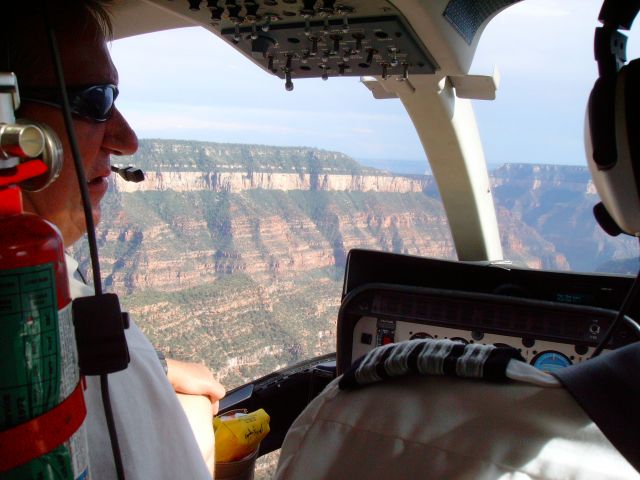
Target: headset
[{"x": 612, "y": 123}]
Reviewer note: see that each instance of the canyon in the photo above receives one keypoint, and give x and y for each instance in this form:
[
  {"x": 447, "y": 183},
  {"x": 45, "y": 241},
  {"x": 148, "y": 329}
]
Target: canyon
[{"x": 233, "y": 255}]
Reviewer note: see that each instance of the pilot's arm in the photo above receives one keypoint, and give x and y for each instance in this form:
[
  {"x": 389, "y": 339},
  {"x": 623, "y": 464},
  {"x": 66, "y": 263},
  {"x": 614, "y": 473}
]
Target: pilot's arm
[{"x": 199, "y": 394}]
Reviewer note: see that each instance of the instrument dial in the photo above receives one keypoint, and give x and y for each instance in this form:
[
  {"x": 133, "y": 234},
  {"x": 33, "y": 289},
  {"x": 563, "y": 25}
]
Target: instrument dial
[{"x": 550, "y": 361}]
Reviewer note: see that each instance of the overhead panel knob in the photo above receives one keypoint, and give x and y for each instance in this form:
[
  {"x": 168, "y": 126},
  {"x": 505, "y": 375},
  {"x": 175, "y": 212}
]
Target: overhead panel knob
[{"x": 216, "y": 11}]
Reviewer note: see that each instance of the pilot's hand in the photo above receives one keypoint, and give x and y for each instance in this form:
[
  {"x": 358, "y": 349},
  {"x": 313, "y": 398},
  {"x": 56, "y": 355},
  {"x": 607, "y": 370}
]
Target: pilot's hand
[{"x": 195, "y": 379}]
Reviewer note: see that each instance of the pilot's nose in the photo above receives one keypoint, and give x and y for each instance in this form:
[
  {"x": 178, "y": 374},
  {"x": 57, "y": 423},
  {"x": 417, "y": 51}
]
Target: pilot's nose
[{"x": 119, "y": 137}]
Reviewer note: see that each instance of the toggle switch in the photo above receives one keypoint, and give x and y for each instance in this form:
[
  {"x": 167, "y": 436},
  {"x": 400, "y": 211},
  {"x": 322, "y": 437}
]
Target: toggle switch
[
  {"x": 252, "y": 17},
  {"x": 405, "y": 72},
  {"x": 358, "y": 38},
  {"x": 325, "y": 28},
  {"x": 308, "y": 7},
  {"x": 325, "y": 56},
  {"x": 346, "y": 55},
  {"x": 270, "y": 64},
  {"x": 233, "y": 10},
  {"x": 288, "y": 84},
  {"x": 370, "y": 54},
  {"x": 385, "y": 73},
  {"x": 307, "y": 25},
  {"x": 307, "y": 11},
  {"x": 336, "y": 44},
  {"x": 216, "y": 15},
  {"x": 314, "y": 46},
  {"x": 341, "y": 69},
  {"x": 394, "y": 56},
  {"x": 236, "y": 32},
  {"x": 325, "y": 74},
  {"x": 252, "y": 9},
  {"x": 345, "y": 10},
  {"x": 304, "y": 58},
  {"x": 267, "y": 23}
]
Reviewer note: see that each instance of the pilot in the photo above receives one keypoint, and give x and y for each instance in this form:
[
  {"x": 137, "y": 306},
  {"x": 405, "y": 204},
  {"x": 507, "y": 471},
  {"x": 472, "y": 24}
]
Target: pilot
[{"x": 153, "y": 431}]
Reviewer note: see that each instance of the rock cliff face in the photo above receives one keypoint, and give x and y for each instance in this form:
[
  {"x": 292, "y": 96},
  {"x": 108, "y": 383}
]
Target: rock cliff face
[
  {"x": 234, "y": 254},
  {"x": 556, "y": 202},
  {"x": 234, "y": 182}
]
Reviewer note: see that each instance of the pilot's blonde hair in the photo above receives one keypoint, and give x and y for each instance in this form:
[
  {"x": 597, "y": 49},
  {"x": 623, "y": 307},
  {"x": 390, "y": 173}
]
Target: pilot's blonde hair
[{"x": 25, "y": 26}]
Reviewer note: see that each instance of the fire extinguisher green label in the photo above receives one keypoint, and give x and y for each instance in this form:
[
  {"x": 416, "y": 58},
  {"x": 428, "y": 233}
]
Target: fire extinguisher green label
[{"x": 29, "y": 344}]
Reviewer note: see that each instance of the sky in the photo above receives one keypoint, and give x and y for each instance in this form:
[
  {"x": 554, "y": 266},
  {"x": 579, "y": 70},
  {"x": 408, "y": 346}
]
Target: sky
[{"x": 199, "y": 88}]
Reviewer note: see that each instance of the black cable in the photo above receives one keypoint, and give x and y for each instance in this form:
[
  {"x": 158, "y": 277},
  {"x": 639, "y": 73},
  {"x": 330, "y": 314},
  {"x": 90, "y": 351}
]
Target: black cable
[
  {"x": 75, "y": 151},
  {"x": 626, "y": 304},
  {"x": 91, "y": 234},
  {"x": 111, "y": 426}
]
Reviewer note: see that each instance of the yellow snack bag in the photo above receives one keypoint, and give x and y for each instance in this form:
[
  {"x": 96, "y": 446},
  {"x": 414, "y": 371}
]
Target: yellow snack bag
[{"x": 239, "y": 434}]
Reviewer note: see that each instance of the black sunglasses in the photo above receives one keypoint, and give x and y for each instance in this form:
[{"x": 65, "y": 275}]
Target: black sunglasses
[{"x": 93, "y": 103}]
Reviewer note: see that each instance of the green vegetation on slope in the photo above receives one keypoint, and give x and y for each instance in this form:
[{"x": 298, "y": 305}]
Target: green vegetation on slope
[{"x": 190, "y": 155}]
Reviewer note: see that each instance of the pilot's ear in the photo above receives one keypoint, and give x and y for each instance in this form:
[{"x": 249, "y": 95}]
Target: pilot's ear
[{"x": 612, "y": 144}]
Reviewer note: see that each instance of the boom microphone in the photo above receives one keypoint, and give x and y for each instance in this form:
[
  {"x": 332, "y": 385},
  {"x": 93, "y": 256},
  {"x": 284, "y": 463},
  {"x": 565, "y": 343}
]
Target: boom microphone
[{"x": 130, "y": 174}]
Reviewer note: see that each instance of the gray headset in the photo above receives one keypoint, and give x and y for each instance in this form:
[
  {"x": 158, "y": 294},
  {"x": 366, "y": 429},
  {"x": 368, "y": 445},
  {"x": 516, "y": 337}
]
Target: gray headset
[{"x": 612, "y": 124}]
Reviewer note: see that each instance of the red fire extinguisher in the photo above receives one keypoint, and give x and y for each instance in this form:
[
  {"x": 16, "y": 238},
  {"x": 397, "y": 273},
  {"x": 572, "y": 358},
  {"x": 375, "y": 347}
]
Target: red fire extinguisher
[{"x": 42, "y": 408}]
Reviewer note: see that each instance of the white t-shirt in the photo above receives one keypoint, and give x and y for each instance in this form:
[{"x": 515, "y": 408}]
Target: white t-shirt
[{"x": 156, "y": 441}]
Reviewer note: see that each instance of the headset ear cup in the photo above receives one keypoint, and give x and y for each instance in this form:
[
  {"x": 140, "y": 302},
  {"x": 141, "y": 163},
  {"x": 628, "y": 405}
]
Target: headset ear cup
[
  {"x": 628, "y": 135},
  {"x": 601, "y": 117},
  {"x": 618, "y": 184}
]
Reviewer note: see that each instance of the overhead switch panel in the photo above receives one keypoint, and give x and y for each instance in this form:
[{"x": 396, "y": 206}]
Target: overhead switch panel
[{"x": 319, "y": 38}]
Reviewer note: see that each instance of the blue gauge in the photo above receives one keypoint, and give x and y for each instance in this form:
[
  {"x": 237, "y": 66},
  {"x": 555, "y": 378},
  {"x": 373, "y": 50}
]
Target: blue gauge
[{"x": 550, "y": 361}]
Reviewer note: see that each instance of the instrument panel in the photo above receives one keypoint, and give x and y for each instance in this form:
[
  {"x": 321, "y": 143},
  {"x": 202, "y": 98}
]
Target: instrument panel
[
  {"x": 546, "y": 355},
  {"x": 549, "y": 335}
]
